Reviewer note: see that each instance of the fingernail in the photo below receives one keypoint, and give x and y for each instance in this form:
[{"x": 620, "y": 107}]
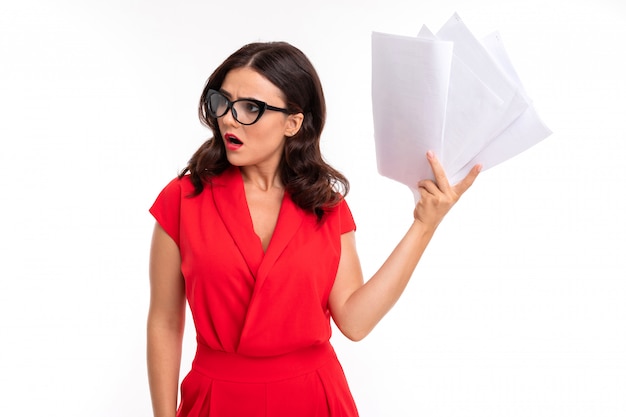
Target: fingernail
[{"x": 430, "y": 154}]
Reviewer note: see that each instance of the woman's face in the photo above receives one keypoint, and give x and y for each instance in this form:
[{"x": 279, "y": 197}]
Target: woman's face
[{"x": 260, "y": 144}]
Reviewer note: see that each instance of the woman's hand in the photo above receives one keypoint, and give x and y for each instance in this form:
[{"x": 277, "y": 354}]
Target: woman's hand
[{"x": 437, "y": 197}]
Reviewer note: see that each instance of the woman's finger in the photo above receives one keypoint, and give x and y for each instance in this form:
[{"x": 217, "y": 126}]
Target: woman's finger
[
  {"x": 467, "y": 182},
  {"x": 428, "y": 186},
  {"x": 440, "y": 174}
]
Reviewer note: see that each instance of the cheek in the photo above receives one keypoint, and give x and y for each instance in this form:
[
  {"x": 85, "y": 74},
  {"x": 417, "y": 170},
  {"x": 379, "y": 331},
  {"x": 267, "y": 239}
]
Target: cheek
[{"x": 271, "y": 133}]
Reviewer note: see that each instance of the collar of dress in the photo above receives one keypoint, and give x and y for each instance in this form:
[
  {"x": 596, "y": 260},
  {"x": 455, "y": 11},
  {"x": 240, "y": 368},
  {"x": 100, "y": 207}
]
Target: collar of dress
[{"x": 232, "y": 206}]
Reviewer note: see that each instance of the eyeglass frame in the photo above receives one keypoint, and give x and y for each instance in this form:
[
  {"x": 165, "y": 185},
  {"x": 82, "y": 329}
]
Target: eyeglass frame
[{"x": 263, "y": 106}]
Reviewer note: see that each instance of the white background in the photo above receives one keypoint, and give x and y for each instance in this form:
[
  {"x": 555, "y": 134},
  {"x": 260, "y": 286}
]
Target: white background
[{"x": 518, "y": 307}]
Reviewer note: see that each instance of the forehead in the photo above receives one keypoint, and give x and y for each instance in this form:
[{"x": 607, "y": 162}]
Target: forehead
[{"x": 248, "y": 83}]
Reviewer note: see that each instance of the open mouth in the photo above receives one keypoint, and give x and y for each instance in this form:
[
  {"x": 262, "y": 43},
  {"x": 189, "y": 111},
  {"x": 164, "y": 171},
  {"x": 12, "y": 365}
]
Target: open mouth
[{"x": 232, "y": 139}]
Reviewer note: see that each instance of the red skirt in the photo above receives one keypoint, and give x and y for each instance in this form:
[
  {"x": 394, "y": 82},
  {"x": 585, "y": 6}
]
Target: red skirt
[{"x": 306, "y": 383}]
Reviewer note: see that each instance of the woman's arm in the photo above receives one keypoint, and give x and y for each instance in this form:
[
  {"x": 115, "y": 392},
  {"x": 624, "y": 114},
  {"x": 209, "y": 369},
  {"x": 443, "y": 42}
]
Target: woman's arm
[
  {"x": 357, "y": 307},
  {"x": 166, "y": 322}
]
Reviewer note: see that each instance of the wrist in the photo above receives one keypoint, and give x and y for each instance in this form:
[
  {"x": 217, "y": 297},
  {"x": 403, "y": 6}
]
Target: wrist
[{"x": 423, "y": 228}]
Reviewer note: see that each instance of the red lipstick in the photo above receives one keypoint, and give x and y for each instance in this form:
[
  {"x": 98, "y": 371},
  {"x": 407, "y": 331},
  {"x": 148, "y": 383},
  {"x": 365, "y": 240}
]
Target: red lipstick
[{"x": 232, "y": 142}]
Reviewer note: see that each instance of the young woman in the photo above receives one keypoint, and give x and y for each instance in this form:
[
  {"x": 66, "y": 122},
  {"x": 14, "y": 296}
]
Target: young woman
[{"x": 256, "y": 236}]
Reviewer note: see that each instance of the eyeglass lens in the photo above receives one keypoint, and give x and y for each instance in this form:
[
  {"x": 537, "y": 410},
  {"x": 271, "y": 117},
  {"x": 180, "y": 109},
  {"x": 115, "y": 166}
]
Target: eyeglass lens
[{"x": 244, "y": 111}]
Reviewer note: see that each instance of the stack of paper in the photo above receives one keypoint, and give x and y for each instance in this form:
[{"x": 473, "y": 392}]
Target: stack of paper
[{"x": 449, "y": 93}]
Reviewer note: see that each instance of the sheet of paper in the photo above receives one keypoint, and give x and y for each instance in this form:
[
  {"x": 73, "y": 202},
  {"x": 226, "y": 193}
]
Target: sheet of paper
[
  {"x": 472, "y": 111},
  {"x": 410, "y": 79},
  {"x": 525, "y": 132},
  {"x": 471, "y": 52}
]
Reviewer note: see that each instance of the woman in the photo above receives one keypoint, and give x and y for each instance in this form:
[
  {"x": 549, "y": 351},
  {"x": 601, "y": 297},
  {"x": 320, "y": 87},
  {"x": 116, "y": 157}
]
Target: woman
[{"x": 256, "y": 236}]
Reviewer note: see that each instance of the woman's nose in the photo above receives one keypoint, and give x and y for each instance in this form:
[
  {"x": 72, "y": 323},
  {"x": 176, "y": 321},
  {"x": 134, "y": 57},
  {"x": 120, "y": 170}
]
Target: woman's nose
[{"x": 229, "y": 117}]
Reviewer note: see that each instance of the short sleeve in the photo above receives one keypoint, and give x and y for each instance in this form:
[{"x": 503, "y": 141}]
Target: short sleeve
[
  {"x": 166, "y": 209},
  {"x": 347, "y": 223}
]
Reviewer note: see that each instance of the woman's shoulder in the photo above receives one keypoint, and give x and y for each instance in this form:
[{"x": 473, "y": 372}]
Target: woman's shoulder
[
  {"x": 185, "y": 186},
  {"x": 176, "y": 189},
  {"x": 339, "y": 204},
  {"x": 341, "y": 213}
]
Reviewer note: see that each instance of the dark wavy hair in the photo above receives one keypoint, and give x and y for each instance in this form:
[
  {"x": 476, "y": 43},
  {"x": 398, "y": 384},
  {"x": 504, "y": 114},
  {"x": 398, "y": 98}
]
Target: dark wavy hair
[{"x": 313, "y": 184}]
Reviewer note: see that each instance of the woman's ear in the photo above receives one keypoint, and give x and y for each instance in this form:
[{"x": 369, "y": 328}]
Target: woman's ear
[{"x": 294, "y": 123}]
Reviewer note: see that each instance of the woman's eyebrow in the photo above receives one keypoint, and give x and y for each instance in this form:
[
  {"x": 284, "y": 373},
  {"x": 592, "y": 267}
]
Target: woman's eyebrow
[
  {"x": 225, "y": 93},
  {"x": 230, "y": 97}
]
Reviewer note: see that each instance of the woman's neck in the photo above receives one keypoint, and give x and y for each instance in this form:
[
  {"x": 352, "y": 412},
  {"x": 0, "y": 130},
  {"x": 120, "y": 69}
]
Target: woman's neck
[{"x": 262, "y": 179}]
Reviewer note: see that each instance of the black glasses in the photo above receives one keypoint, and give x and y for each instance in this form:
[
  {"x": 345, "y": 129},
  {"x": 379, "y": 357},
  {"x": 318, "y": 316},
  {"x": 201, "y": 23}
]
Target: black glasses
[{"x": 246, "y": 111}]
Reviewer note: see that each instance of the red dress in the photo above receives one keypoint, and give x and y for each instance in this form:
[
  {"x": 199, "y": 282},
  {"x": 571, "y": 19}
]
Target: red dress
[{"x": 262, "y": 319}]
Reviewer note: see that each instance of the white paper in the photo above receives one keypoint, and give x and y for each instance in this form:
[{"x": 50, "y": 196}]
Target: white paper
[
  {"x": 525, "y": 132},
  {"x": 410, "y": 80},
  {"x": 469, "y": 50},
  {"x": 473, "y": 115},
  {"x": 449, "y": 93}
]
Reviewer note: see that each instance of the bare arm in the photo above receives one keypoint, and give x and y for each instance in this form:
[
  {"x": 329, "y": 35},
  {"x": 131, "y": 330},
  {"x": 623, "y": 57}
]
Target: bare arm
[
  {"x": 357, "y": 307},
  {"x": 166, "y": 321}
]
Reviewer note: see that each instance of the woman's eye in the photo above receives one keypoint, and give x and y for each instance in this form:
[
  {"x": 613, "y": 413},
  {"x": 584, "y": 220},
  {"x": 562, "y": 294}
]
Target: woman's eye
[{"x": 250, "y": 107}]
